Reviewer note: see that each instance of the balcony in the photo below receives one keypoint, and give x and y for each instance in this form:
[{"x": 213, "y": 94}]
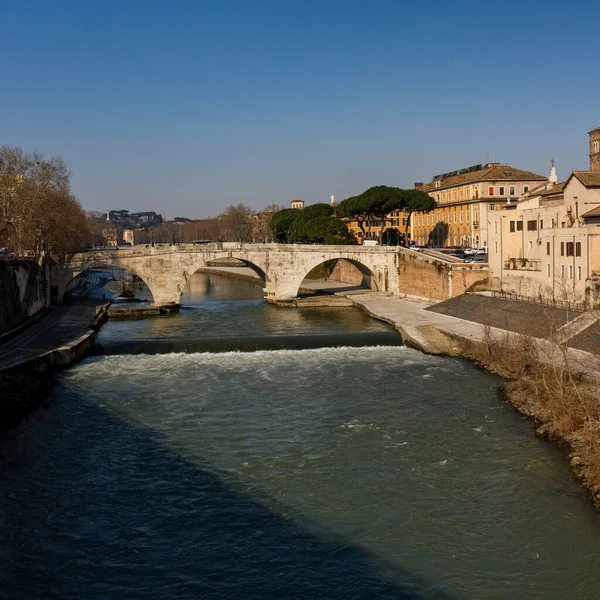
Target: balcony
[{"x": 523, "y": 264}]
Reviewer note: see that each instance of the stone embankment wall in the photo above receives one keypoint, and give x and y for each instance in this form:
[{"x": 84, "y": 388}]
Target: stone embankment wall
[
  {"x": 426, "y": 277},
  {"x": 23, "y": 291},
  {"x": 346, "y": 272}
]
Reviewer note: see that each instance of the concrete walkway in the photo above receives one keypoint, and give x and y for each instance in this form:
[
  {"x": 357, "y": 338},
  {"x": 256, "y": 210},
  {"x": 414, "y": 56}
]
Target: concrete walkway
[
  {"x": 437, "y": 333},
  {"x": 65, "y": 323}
]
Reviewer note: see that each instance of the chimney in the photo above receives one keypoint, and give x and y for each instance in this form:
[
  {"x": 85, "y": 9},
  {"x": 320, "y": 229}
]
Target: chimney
[{"x": 418, "y": 185}]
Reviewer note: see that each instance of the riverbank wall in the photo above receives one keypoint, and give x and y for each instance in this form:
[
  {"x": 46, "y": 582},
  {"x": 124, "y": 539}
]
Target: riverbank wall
[
  {"x": 25, "y": 386},
  {"x": 23, "y": 292}
]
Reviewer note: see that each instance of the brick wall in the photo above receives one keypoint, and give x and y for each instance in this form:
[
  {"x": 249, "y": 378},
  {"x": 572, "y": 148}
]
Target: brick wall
[
  {"x": 427, "y": 277},
  {"x": 345, "y": 272}
]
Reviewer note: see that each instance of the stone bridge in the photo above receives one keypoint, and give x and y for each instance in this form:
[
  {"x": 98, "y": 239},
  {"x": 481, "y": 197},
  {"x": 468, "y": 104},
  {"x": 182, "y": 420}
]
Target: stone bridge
[{"x": 167, "y": 269}]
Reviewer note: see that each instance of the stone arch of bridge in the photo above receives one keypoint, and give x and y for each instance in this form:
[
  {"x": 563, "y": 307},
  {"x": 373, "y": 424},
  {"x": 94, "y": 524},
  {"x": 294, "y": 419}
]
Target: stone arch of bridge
[
  {"x": 369, "y": 277},
  {"x": 203, "y": 263},
  {"x": 74, "y": 271}
]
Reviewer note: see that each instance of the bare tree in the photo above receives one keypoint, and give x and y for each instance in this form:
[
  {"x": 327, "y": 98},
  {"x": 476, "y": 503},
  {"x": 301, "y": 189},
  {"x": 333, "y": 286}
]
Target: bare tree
[
  {"x": 236, "y": 224},
  {"x": 39, "y": 212}
]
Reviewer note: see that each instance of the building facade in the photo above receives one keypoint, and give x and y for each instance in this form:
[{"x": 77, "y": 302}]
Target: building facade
[
  {"x": 547, "y": 246},
  {"x": 595, "y": 149},
  {"x": 465, "y": 200},
  {"x": 393, "y": 229}
]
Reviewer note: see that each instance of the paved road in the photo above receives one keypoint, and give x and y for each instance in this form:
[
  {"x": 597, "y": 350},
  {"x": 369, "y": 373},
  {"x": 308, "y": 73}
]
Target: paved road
[{"x": 63, "y": 324}]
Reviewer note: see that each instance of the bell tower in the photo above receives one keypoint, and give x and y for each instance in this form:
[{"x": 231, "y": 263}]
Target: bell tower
[{"x": 595, "y": 149}]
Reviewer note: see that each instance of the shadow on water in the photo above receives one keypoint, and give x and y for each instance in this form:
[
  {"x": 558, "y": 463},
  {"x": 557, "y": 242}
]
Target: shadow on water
[{"x": 133, "y": 519}]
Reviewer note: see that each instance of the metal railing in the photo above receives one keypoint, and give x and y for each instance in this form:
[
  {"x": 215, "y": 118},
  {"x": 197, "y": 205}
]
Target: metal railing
[{"x": 579, "y": 306}]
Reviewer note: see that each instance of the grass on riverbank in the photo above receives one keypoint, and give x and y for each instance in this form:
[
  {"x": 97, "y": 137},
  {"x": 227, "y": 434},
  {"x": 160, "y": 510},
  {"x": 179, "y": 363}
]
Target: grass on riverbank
[{"x": 544, "y": 383}]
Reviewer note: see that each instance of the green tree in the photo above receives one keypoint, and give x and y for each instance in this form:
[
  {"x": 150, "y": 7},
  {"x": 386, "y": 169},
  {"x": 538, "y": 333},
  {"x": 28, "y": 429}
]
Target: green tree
[
  {"x": 299, "y": 229},
  {"x": 328, "y": 230},
  {"x": 380, "y": 200},
  {"x": 280, "y": 223}
]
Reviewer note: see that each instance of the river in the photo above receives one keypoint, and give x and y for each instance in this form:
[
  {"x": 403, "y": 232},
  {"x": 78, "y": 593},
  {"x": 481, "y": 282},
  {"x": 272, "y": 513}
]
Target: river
[{"x": 169, "y": 466}]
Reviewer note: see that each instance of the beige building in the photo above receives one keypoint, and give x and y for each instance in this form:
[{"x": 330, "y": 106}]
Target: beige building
[
  {"x": 465, "y": 199},
  {"x": 547, "y": 246},
  {"x": 299, "y": 204}
]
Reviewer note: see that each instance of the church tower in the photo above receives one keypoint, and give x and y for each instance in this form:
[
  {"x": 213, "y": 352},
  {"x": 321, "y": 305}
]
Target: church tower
[{"x": 595, "y": 149}]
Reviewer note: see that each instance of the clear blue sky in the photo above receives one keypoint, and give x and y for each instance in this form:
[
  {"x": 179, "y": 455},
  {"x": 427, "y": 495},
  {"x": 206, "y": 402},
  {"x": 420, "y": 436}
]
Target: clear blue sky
[{"x": 185, "y": 107}]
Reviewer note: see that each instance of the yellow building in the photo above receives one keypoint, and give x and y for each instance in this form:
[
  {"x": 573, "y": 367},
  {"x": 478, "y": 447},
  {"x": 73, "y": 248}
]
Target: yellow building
[
  {"x": 465, "y": 199},
  {"x": 396, "y": 220}
]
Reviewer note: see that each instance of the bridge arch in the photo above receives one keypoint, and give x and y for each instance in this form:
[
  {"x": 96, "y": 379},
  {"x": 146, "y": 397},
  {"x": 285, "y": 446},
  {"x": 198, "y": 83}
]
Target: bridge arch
[
  {"x": 369, "y": 278},
  {"x": 203, "y": 264},
  {"x": 82, "y": 264},
  {"x": 107, "y": 267}
]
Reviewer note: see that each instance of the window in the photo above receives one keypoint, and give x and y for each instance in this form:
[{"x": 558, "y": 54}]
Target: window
[
  {"x": 511, "y": 226},
  {"x": 491, "y": 191},
  {"x": 455, "y": 216},
  {"x": 525, "y": 189},
  {"x": 596, "y": 146},
  {"x": 570, "y": 271},
  {"x": 427, "y": 219},
  {"x": 492, "y": 207},
  {"x": 511, "y": 190},
  {"x": 495, "y": 226},
  {"x": 577, "y": 248},
  {"x": 562, "y": 248},
  {"x": 405, "y": 222},
  {"x": 467, "y": 211},
  {"x": 531, "y": 225},
  {"x": 548, "y": 248},
  {"x": 562, "y": 271},
  {"x": 570, "y": 249},
  {"x": 395, "y": 222},
  {"x": 579, "y": 273},
  {"x": 476, "y": 192},
  {"x": 460, "y": 216},
  {"x": 530, "y": 245},
  {"x": 547, "y": 270},
  {"x": 496, "y": 247},
  {"x": 519, "y": 225},
  {"x": 501, "y": 191}
]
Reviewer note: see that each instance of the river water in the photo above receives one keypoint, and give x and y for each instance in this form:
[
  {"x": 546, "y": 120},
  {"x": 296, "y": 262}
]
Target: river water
[{"x": 302, "y": 472}]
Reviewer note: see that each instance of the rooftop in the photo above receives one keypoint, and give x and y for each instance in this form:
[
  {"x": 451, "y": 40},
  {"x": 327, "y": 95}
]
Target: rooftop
[
  {"x": 595, "y": 212},
  {"x": 588, "y": 178},
  {"x": 493, "y": 172}
]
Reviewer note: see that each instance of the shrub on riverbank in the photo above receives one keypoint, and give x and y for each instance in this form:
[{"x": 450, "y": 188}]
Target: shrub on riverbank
[{"x": 544, "y": 383}]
